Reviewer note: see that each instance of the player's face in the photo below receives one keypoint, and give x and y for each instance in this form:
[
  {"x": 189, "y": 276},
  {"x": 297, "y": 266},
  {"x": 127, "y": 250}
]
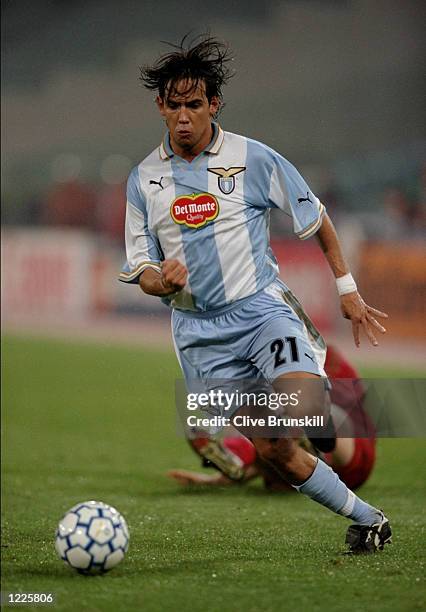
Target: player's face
[{"x": 188, "y": 115}]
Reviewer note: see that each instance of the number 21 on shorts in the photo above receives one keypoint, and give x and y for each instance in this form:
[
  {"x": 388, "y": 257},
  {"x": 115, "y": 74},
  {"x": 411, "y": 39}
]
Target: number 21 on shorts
[{"x": 278, "y": 346}]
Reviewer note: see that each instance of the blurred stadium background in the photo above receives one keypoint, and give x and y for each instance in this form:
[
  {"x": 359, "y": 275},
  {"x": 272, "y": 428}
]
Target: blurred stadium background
[{"x": 335, "y": 86}]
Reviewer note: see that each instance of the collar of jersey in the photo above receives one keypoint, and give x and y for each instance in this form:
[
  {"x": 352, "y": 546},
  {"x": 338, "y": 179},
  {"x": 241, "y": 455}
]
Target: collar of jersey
[{"x": 166, "y": 150}]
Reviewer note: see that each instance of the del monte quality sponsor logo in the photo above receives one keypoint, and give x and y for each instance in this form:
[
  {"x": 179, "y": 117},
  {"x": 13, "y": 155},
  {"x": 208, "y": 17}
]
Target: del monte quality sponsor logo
[{"x": 194, "y": 210}]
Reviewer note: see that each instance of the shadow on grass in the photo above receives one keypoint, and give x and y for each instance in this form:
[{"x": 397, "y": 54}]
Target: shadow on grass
[{"x": 132, "y": 569}]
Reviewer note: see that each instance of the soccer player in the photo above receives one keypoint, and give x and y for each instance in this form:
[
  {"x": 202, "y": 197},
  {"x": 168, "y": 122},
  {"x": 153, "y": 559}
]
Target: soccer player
[
  {"x": 197, "y": 237},
  {"x": 352, "y": 457}
]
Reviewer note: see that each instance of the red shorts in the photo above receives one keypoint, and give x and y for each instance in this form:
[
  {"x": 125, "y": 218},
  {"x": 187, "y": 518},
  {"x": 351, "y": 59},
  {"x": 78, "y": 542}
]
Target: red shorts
[{"x": 356, "y": 472}]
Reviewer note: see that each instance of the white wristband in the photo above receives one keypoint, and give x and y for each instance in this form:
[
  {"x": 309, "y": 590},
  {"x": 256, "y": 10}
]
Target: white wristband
[{"x": 345, "y": 284}]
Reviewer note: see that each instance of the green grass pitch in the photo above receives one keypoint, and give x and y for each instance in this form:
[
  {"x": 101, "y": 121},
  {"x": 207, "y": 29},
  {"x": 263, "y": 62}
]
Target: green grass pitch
[{"x": 97, "y": 422}]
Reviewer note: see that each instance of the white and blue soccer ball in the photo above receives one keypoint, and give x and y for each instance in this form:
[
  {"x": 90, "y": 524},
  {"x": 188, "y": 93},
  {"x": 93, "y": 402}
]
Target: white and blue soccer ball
[{"x": 92, "y": 537}]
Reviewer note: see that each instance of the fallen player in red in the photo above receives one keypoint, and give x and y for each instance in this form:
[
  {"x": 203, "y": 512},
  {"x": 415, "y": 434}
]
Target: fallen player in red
[{"x": 352, "y": 457}]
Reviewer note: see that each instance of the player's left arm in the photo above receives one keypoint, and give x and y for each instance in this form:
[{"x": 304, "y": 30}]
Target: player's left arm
[
  {"x": 352, "y": 305},
  {"x": 186, "y": 478}
]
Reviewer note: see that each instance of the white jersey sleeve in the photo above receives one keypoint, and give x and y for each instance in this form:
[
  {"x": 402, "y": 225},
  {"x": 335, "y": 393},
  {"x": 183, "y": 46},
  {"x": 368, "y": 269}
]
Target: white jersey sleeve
[
  {"x": 290, "y": 193},
  {"x": 142, "y": 247}
]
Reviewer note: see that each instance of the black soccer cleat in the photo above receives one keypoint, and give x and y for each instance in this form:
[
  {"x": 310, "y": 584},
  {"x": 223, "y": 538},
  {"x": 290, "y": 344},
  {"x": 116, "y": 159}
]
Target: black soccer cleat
[{"x": 367, "y": 539}]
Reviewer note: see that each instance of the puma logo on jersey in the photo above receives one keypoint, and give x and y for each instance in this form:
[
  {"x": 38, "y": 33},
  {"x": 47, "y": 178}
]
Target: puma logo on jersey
[
  {"x": 307, "y": 199},
  {"x": 226, "y": 177},
  {"x": 151, "y": 182}
]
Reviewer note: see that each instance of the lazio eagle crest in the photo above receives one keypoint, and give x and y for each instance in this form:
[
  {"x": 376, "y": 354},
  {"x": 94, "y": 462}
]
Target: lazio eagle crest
[{"x": 226, "y": 177}]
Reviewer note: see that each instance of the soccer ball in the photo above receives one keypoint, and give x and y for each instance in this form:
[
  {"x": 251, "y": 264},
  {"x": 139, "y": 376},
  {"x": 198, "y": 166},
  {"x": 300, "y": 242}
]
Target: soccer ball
[{"x": 92, "y": 537}]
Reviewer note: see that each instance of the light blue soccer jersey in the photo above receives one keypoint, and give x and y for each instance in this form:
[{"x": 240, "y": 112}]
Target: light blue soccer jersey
[{"x": 212, "y": 214}]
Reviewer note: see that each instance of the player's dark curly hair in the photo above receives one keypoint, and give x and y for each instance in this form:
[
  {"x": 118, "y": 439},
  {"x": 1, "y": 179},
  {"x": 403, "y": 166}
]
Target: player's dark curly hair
[{"x": 204, "y": 58}]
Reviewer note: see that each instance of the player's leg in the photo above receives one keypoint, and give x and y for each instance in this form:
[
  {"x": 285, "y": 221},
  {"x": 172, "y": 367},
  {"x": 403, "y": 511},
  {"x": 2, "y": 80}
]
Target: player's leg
[
  {"x": 354, "y": 454},
  {"x": 284, "y": 354},
  {"x": 342, "y": 455},
  {"x": 353, "y": 460},
  {"x": 253, "y": 466},
  {"x": 314, "y": 478},
  {"x": 344, "y": 449}
]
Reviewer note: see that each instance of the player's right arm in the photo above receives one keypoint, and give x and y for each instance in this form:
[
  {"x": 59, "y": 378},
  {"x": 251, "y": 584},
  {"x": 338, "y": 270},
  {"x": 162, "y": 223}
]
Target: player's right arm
[
  {"x": 145, "y": 264},
  {"x": 171, "y": 279}
]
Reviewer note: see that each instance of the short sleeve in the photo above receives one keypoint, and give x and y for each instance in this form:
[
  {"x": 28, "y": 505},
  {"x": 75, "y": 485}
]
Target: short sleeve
[
  {"x": 290, "y": 192},
  {"x": 142, "y": 247}
]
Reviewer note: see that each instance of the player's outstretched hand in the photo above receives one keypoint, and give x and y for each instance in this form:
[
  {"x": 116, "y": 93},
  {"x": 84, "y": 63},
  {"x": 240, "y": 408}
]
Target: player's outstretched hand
[
  {"x": 173, "y": 275},
  {"x": 361, "y": 315},
  {"x": 186, "y": 478}
]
